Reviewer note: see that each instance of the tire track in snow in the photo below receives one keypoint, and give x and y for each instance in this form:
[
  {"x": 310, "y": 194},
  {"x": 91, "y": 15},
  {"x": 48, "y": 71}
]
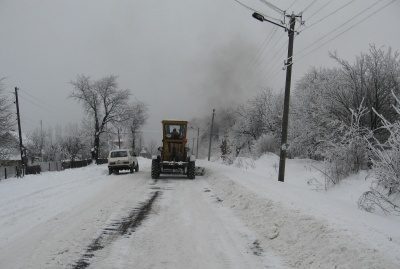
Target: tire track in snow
[{"x": 123, "y": 227}]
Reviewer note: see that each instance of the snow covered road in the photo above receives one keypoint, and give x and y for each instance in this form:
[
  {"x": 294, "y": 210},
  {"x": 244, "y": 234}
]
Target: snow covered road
[
  {"x": 229, "y": 218},
  {"x": 71, "y": 220}
]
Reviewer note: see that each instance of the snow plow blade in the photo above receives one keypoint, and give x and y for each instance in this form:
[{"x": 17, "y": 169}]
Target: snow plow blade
[{"x": 200, "y": 171}]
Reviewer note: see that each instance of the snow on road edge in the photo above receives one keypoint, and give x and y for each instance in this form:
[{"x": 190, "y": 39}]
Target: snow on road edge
[{"x": 302, "y": 241}]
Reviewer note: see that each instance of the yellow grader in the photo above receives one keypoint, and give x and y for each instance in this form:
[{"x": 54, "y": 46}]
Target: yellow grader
[{"x": 174, "y": 157}]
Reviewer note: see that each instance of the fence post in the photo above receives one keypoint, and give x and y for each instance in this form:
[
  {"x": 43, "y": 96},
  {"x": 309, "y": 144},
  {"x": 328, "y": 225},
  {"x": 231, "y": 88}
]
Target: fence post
[{"x": 5, "y": 172}]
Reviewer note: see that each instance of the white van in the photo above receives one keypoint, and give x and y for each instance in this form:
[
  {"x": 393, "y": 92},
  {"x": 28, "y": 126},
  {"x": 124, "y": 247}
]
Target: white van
[{"x": 122, "y": 159}]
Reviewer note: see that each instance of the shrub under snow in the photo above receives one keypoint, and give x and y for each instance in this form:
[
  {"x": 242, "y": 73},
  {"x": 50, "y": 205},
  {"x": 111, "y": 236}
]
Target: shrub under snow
[
  {"x": 347, "y": 152},
  {"x": 385, "y": 190}
]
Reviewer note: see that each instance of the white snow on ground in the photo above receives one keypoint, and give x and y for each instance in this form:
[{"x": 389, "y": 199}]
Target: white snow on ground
[{"x": 229, "y": 218}]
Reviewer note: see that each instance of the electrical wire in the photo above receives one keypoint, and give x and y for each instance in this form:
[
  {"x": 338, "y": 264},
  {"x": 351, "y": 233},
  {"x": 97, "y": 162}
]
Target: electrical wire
[
  {"x": 330, "y": 14},
  {"x": 252, "y": 9},
  {"x": 37, "y": 99},
  {"x": 312, "y": 3},
  {"x": 291, "y": 4},
  {"x": 351, "y": 27},
  {"x": 280, "y": 11},
  {"x": 30, "y": 101},
  {"x": 27, "y": 118},
  {"x": 261, "y": 70},
  {"x": 27, "y": 123},
  {"x": 274, "y": 70},
  {"x": 256, "y": 57},
  {"x": 321, "y": 8},
  {"x": 341, "y": 25}
]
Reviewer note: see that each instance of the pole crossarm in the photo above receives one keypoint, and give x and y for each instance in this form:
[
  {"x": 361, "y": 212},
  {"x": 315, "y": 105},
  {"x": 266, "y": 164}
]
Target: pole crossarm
[{"x": 261, "y": 18}]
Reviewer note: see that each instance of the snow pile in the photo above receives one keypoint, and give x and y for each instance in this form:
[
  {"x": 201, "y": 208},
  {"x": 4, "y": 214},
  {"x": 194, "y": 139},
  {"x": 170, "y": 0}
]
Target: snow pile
[{"x": 309, "y": 229}]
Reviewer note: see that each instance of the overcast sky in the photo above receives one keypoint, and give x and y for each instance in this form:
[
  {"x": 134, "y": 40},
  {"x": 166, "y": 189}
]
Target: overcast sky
[{"x": 181, "y": 57}]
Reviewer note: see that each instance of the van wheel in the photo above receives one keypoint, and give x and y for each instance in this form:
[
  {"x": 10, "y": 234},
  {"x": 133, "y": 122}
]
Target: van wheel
[
  {"x": 131, "y": 170},
  {"x": 110, "y": 171}
]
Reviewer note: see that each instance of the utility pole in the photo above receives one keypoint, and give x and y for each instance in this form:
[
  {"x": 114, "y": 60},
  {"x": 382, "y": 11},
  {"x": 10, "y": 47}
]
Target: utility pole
[
  {"x": 285, "y": 119},
  {"x": 19, "y": 127},
  {"x": 41, "y": 140},
  {"x": 119, "y": 140},
  {"x": 197, "y": 148},
  {"x": 211, "y": 133},
  {"x": 288, "y": 63}
]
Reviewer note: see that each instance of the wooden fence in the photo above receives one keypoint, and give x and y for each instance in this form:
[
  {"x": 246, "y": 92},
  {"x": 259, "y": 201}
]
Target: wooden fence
[{"x": 17, "y": 171}]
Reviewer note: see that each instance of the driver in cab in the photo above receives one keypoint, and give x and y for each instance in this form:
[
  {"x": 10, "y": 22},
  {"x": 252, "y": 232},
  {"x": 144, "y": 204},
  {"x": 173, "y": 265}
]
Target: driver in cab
[{"x": 174, "y": 134}]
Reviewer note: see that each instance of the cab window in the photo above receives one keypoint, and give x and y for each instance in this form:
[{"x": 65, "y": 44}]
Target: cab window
[{"x": 174, "y": 131}]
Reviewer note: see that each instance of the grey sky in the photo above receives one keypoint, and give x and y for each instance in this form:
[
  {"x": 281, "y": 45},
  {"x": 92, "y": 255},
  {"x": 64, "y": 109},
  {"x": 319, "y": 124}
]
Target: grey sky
[{"x": 182, "y": 58}]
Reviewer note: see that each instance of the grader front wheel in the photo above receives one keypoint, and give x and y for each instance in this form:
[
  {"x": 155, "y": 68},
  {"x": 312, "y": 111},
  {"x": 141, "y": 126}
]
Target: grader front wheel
[
  {"x": 155, "y": 169},
  {"x": 191, "y": 169}
]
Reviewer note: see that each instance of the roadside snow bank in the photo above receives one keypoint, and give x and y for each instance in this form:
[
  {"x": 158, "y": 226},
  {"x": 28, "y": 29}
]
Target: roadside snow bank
[{"x": 308, "y": 229}]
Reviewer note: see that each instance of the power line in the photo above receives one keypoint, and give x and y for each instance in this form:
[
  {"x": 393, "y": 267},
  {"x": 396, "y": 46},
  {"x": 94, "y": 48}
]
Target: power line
[
  {"x": 360, "y": 13},
  {"x": 265, "y": 56},
  {"x": 280, "y": 11},
  {"x": 253, "y": 67},
  {"x": 291, "y": 4},
  {"x": 351, "y": 27},
  {"x": 27, "y": 123},
  {"x": 312, "y": 3},
  {"x": 275, "y": 71},
  {"x": 36, "y": 104},
  {"x": 327, "y": 16},
  {"x": 38, "y": 99},
  {"x": 321, "y": 8},
  {"x": 28, "y": 118},
  {"x": 252, "y": 9}
]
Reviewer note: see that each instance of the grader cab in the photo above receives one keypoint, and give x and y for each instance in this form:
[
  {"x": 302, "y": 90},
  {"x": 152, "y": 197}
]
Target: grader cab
[{"x": 174, "y": 157}]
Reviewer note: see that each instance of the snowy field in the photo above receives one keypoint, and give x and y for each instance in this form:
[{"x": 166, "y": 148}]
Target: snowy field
[{"x": 232, "y": 217}]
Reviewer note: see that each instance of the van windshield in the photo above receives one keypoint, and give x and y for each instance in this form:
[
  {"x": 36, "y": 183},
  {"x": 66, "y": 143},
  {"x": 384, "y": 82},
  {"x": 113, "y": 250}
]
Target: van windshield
[{"x": 116, "y": 154}]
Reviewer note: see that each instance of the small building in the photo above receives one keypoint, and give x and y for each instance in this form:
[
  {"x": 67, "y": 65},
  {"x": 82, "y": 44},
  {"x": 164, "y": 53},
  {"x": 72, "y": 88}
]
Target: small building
[{"x": 143, "y": 153}]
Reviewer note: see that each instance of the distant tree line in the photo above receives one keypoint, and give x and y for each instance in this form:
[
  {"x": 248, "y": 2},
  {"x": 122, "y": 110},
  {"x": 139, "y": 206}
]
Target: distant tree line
[{"x": 108, "y": 112}]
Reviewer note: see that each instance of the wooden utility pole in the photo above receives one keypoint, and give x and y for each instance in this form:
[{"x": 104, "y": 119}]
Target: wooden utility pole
[
  {"x": 211, "y": 133},
  {"x": 19, "y": 127},
  {"x": 41, "y": 140},
  {"x": 285, "y": 119},
  {"x": 197, "y": 147},
  {"x": 288, "y": 63}
]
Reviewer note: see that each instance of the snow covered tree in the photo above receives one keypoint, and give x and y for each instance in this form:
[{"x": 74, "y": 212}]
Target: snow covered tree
[
  {"x": 314, "y": 112},
  {"x": 261, "y": 115},
  {"x": 103, "y": 102},
  {"x": 346, "y": 151},
  {"x": 385, "y": 190},
  {"x": 72, "y": 143},
  {"x": 6, "y": 122},
  {"x": 370, "y": 79},
  {"x": 152, "y": 147},
  {"x": 137, "y": 113},
  {"x": 324, "y": 96},
  {"x": 6, "y": 119}
]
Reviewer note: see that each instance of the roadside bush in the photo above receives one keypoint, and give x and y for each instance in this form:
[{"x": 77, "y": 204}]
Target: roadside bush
[
  {"x": 266, "y": 143},
  {"x": 347, "y": 152},
  {"x": 385, "y": 190}
]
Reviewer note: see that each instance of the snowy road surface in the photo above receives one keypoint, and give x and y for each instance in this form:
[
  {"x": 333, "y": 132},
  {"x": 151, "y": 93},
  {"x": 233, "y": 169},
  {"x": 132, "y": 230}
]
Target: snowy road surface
[{"x": 85, "y": 218}]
